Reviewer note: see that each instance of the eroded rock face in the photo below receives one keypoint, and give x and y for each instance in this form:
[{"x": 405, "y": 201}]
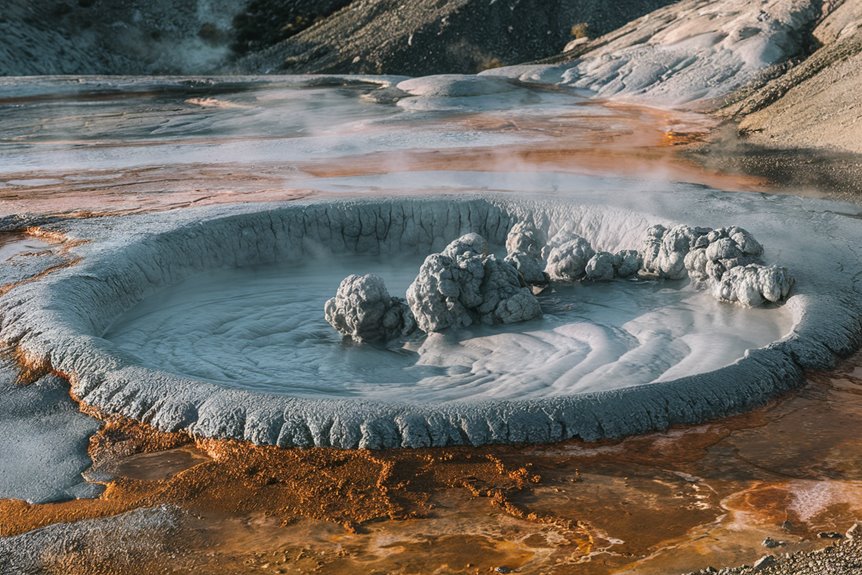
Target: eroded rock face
[
  {"x": 753, "y": 285},
  {"x": 568, "y": 260},
  {"x": 664, "y": 249},
  {"x": 464, "y": 285},
  {"x": 719, "y": 251},
  {"x": 363, "y": 310}
]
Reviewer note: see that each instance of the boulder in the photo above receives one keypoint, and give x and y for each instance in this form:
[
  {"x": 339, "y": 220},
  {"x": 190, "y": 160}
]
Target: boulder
[
  {"x": 600, "y": 267},
  {"x": 664, "y": 249},
  {"x": 720, "y": 250}
]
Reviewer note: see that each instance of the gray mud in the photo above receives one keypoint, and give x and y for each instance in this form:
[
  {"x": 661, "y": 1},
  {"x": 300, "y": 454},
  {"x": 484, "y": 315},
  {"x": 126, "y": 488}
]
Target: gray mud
[
  {"x": 87, "y": 545},
  {"x": 43, "y": 440}
]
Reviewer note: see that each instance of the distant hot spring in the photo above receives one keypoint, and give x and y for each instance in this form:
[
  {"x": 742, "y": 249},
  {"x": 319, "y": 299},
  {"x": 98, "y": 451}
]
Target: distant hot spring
[{"x": 210, "y": 320}]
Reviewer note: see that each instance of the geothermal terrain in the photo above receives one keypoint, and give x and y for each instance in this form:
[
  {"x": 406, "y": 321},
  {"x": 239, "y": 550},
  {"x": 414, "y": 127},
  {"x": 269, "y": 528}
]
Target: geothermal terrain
[{"x": 613, "y": 324}]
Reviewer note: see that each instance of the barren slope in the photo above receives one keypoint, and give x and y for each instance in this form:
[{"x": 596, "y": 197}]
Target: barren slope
[
  {"x": 817, "y": 103},
  {"x": 430, "y": 36}
]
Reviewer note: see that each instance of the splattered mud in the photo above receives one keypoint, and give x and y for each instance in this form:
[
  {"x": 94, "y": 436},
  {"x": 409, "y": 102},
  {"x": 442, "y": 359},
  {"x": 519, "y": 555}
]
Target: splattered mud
[{"x": 661, "y": 503}]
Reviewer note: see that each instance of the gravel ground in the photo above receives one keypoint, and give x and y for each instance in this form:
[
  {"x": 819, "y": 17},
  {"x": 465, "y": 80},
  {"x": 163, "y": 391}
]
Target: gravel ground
[
  {"x": 844, "y": 557},
  {"x": 823, "y": 172}
]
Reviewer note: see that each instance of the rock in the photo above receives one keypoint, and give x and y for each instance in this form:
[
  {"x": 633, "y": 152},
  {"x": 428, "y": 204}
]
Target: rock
[
  {"x": 717, "y": 47},
  {"x": 262, "y": 23},
  {"x": 471, "y": 244},
  {"x": 566, "y": 233},
  {"x": 126, "y": 38},
  {"x": 463, "y": 285},
  {"x": 775, "y": 283},
  {"x": 600, "y": 267},
  {"x": 90, "y": 544},
  {"x": 363, "y": 310},
  {"x": 436, "y": 36},
  {"x": 568, "y": 261},
  {"x": 40, "y": 418},
  {"x": 854, "y": 532},
  {"x": 795, "y": 110},
  {"x": 753, "y": 284},
  {"x": 664, "y": 250},
  {"x": 504, "y": 299},
  {"x": 524, "y": 251},
  {"x": 771, "y": 543},
  {"x": 764, "y": 562},
  {"x": 830, "y": 535}
]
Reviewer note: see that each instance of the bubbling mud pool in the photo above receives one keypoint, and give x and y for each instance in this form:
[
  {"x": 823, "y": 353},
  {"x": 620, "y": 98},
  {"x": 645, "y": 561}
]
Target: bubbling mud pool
[
  {"x": 159, "y": 316},
  {"x": 261, "y": 329},
  {"x": 210, "y": 320}
]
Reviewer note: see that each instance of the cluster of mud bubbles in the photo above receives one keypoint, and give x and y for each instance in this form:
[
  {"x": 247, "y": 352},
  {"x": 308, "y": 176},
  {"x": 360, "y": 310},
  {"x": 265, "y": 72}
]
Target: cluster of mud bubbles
[{"x": 659, "y": 503}]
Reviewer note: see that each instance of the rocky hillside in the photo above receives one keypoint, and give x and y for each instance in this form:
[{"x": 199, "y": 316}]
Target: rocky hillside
[
  {"x": 435, "y": 36},
  {"x": 264, "y": 23},
  {"x": 693, "y": 53},
  {"x": 817, "y": 102},
  {"x": 288, "y": 36},
  {"x": 115, "y": 36},
  {"x": 788, "y": 71}
]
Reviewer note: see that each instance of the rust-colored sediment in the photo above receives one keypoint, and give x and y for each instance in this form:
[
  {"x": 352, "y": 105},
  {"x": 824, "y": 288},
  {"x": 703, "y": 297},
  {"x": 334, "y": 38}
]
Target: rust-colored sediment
[
  {"x": 656, "y": 504},
  {"x": 346, "y": 487},
  {"x": 30, "y": 368}
]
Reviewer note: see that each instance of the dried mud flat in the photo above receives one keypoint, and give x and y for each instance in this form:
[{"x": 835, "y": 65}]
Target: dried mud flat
[{"x": 663, "y": 503}]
